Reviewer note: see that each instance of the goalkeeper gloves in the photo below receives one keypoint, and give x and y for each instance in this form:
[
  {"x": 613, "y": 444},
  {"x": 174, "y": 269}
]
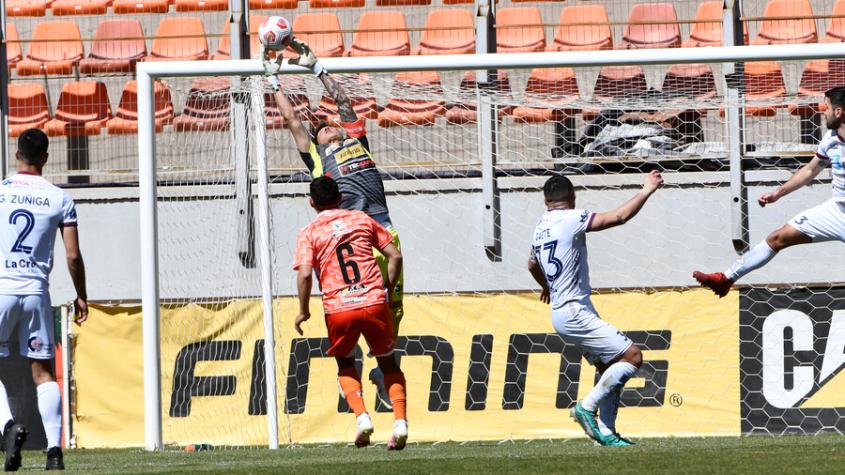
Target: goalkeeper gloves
[
  {"x": 274, "y": 83},
  {"x": 307, "y": 58}
]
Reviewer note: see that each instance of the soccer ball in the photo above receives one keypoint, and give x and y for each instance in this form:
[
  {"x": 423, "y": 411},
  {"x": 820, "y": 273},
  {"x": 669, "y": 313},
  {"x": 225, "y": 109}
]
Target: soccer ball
[{"x": 275, "y": 33}]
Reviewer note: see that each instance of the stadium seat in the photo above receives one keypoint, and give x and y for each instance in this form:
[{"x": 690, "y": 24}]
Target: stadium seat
[
  {"x": 110, "y": 55},
  {"x": 398, "y": 3},
  {"x": 551, "y": 85},
  {"x": 336, "y": 4},
  {"x": 46, "y": 55},
  {"x": 321, "y": 31},
  {"x": 301, "y": 106},
  {"x": 83, "y": 109},
  {"x": 202, "y": 5},
  {"x": 822, "y": 74},
  {"x": 79, "y": 7},
  {"x": 14, "y": 53},
  {"x": 836, "y": 29},
  {"x": 140, "y": 6},
  {"x": 27, "y": 107},
  {"x": 125, "y": 120},
  {"x": 207, "y": 107},
  {"x": 179, "y": 38},
  {"x": 639, "y": 34},
  {"x": 460, "y": 2},
  {"x": 697, "y": 80},
  {"x": 365, "y": 105},
  {"x": 406, "y": 111},
  {"x": 389, "y": 39},
  {"x": 448, "y": 31},
  {"x": 26, "y": 7},
  {"x": 710, "y": 33},
  {"x": 573, "y": 35},
  {"x": 513, "y": 33},
  {"x": 466, "y": 112},
  {"x": 224, "y": 51},
  {"x": 273, "y": 4}
]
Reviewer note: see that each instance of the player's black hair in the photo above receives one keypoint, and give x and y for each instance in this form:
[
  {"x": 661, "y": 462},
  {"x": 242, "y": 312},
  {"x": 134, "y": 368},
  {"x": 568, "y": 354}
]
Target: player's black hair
[
  {"x": 558, "y": 188},
  {"x": 318, "y": 127},
  {"x": 324, "y": 191},
  {"x": 32, "y": 146},
  {"x": 836, "y": 96}
]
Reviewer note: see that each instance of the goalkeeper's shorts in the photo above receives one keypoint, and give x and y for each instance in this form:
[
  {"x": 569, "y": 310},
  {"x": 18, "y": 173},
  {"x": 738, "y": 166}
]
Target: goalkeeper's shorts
[{"x": 396, "y": 307}]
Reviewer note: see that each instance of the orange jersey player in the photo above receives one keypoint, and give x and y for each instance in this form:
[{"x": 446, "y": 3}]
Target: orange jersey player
[{"x": 338, "y": 246}]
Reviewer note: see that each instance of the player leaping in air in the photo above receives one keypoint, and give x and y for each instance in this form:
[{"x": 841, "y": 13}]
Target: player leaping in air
[
  {"x": 558, "y": 262},
  {"x": 337, "y": 246},
  {"x": 825, "y": 222}
]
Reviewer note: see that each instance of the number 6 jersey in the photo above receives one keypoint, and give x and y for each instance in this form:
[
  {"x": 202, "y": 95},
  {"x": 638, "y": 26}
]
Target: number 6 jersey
[
  {"x": 560, "y": 247},
  {"x": 339, "y": 244},
  {"x": 31, "y": 211}
]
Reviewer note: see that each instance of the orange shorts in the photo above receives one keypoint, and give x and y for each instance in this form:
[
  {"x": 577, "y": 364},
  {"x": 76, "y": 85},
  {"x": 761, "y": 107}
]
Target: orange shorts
[{"x": 374, "y": 322}]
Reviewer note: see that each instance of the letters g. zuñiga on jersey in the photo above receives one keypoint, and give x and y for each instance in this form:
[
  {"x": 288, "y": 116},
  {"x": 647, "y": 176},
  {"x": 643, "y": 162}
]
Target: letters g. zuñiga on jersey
[
  {"x": 560, "y": 248},
  {"x": 31, "y": 212}
]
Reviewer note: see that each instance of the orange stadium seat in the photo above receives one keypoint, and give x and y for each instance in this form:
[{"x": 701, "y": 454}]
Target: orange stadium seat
[
  {"x": 111, "y": 55},
  {"x": 207, "y": 107},
  {"x": 26, "y": 7},
  {"x": 389, "y": 39},
  {"x": 125, "y": 120},
  {"x": 79, "y": 7},
  {"x": 83, "y": 109},
  {"x": 574, "y": 34},
  {"x": 272, "y": 4},
  {"x": 179, "y": 38},
  {"x": 140, "y": 6},
  {"x": 823, "y": 74},
  {"x": 625, "y": 80},
  {"x": 336, "y": 3},
  {"x": 27, "y": 107},
  {"x": 836, "y": 29},
  {"x": 273, "y": 116},
  {"x": 460, "y": 2},
  {"x": 448, "y": 31},
  {"x": 365, "y": 105},
  {"x": 467, "y": 113},
  {"x": 46, "y": 54},
  {"x": 398, "y": 3},
  {"x": 697, "y": 80},
  {"x": 512, "y": 34},
  {"x": 202, "y": 5},
  {"x": 553, "y": 85},
  {"x": 14, "y": 53},
  {"x": 710, "y": 33},
  {"x": 399, "y": 112},
  {"x": 224, "y": 51},
  {"x": 322, "y": 33}
]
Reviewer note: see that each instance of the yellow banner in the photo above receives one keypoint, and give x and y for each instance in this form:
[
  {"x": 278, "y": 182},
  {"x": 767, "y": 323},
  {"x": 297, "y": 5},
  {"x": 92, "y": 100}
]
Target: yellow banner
[{"x": 478, "y": 367}]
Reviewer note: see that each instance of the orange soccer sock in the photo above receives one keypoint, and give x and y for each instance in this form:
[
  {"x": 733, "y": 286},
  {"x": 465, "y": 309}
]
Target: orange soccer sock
[
  {"x": 350, "y": 384},
  {"x": 395, "y": 383}
]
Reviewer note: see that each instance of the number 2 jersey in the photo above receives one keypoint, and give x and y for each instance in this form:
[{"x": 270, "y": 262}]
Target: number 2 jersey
[
  {"x": 31, "y": 212},
  {"x": 560, "y": 247},
  {"x": 339, "y": 244}
]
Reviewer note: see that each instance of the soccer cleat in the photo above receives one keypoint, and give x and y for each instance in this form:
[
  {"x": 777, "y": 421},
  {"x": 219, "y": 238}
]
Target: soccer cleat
[
  {"x": 55, "y": 459},
  {"x": 587, "y": 420},
  {"x": 365, "y": 430},
  {"x": 13, "y": 438},
  {"x": 616, "y": 440},
  {"x": 717, "y": 282},
  {"x": 400, "y": 435}
]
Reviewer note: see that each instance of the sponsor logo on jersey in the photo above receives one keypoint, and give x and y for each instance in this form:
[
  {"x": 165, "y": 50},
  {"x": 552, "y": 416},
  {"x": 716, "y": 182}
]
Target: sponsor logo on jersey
[{"x": 36, "y": 344}]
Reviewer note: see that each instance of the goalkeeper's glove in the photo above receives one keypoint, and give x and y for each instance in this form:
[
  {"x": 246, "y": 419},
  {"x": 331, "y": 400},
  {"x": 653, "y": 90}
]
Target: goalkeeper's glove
[
  {"x": 274, "y": 83},
  {"x": 307, "y": 58}
]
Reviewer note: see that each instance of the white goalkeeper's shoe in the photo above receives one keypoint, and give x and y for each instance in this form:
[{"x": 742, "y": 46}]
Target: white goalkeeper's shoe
[
  {"x": 365, "y": 430},
  {"x": 400, "y": 435}
]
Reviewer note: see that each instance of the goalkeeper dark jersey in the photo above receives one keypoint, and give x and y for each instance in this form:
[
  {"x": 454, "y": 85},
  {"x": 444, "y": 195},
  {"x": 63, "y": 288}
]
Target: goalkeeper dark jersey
[{"x": 350, "y": 164}]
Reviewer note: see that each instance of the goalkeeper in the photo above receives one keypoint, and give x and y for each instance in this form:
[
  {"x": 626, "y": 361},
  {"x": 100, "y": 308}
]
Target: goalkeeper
[{"x": 342, "y": 153}]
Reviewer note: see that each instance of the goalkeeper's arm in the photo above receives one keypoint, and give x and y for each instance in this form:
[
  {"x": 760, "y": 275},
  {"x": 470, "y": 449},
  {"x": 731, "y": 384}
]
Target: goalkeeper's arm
[
  {"x": 308, "y": 59},
  {"x": 300, "y": 135}
]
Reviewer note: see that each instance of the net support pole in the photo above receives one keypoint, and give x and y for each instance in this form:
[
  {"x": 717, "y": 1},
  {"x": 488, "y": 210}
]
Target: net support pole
[
  {"x": 4, "y": 96},
  {"x": 265, "y": 260},
  {"x": 488, "y": 129},
  {"x": 734, "y": 127},
  {"x": 149, "y": 262},
  {"x": 239, "y": 140}
]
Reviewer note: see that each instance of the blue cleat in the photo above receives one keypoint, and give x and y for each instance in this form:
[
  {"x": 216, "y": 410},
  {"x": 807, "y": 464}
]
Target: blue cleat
[
  {"x": 616, "y": 440},
  {"x": 587, "y": 420}
]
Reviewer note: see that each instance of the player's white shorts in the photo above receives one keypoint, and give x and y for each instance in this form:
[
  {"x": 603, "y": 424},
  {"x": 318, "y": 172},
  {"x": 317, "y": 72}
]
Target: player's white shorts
[
  {"x": 825, "y": 222},
  {"x": 578, "y": 323},
  {"x": 31, "y": 318}
]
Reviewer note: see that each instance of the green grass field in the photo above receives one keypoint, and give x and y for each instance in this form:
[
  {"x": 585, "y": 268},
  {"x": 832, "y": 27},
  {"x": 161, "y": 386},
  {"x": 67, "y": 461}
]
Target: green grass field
[{"x": 759, "y": 455}]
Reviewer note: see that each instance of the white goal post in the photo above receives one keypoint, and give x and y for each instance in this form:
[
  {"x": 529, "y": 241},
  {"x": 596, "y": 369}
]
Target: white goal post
[{"x": 148, "y": 72}]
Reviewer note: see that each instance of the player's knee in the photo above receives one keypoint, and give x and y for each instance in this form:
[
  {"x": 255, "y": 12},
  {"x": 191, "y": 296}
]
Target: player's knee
[
  {"x": 387, "y": 364},
  {"x": 776, "y": 240},
  {"x": 42, "y": 372},
  {"x": 634, "y": 356}
]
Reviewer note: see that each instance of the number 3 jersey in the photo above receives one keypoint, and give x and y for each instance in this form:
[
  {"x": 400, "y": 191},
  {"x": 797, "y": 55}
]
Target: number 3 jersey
[
  {"x": 31, "y": 211},
  {"x": 560, "y": 247},
  {"x": 339, "y": 246}
]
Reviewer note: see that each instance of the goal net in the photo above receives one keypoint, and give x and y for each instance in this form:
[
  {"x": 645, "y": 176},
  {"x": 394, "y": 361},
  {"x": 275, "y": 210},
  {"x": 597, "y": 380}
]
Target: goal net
[{"x": 464, "y": 155}]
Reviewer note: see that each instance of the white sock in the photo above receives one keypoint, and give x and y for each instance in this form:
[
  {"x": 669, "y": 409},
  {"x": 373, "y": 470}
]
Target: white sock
[
  {"x": 613, "y": 377},
  {"x": 5, "y": 411},
  {"x": 50, "y": 407},
  {"x": 608, "y": 408},
  {"x": 755, "y": 258}
]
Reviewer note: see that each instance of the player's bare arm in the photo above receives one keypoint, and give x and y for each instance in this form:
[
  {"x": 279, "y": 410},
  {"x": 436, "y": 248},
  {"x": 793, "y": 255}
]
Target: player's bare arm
[
  {"x": 801, "y": 178},
  {"x": 540, "y": 277},
  {"x": 76, "y": 268},
  {"x": 304, "y": 282},
  {"x": 300, "y": 135},
  {"x": 344, "y": 105},
  {"x": 394, "y": 265},
  {"x": 629, "y": 209}
]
